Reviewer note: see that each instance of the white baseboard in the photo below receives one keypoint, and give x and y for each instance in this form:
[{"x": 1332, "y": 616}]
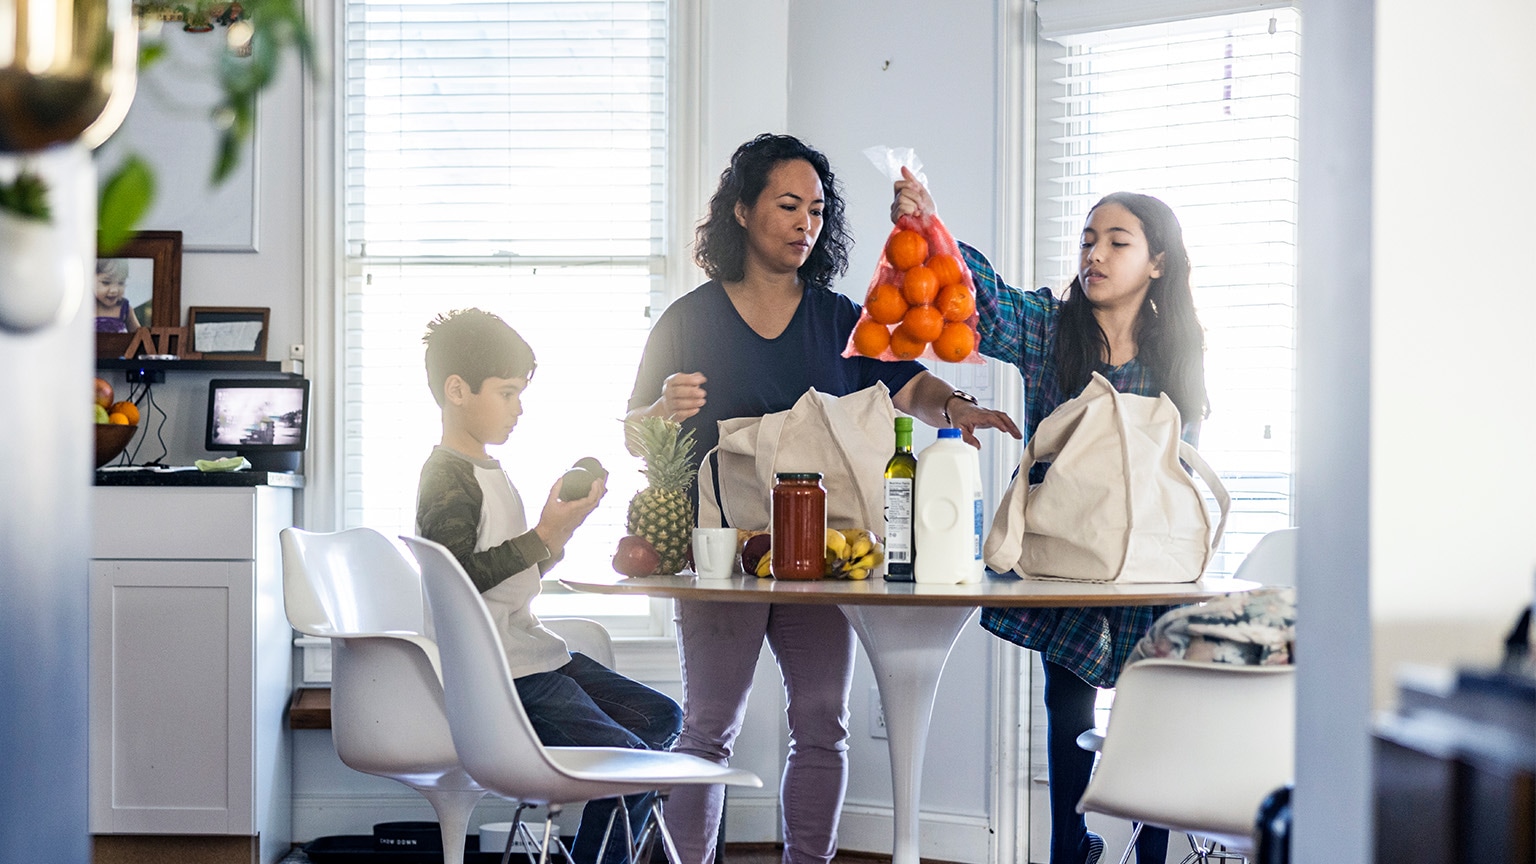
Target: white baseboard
[
  {"x": 751, "y": 819},
  {"x": 943, "y": 836},
  {"x": 748, "y": 819}
]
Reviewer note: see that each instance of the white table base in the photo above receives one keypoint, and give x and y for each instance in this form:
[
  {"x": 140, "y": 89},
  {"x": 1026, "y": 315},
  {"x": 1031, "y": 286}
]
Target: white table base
[{"x": 907, "y": 646}]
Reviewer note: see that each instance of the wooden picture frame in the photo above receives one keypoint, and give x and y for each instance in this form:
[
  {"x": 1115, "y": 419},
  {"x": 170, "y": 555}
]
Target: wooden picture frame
[
  {"x": 148, "y": 270},
  {"x": 227, "y": 333}
]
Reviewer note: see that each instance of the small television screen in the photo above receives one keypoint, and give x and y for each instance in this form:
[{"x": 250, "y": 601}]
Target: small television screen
[{"x": 264, "y": 420}]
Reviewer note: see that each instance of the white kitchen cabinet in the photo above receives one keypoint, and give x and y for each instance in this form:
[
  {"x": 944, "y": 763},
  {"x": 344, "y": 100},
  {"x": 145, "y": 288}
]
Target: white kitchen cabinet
[{"x": 191, "y": 671}]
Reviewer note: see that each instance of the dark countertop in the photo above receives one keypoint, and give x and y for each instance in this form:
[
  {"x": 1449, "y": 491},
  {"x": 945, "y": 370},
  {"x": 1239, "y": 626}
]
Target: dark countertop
[{"x": 194, "y": 477}]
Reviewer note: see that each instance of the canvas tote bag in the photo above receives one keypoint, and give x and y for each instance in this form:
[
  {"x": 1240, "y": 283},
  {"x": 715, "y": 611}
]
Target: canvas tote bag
[
  {"x": 846, "y": 438},
  {"x": 1115, "y": 506}
]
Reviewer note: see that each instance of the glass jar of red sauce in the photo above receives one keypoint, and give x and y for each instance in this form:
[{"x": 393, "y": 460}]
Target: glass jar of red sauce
[{"x": 799, "y": 526}]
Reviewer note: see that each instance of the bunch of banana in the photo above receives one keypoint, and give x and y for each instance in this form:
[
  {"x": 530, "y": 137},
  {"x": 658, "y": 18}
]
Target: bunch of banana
[{"x": 852, "y": 553}]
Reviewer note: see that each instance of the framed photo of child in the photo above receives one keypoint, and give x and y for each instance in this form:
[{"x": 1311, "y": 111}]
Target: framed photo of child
[{"x": 138, "y": 285}]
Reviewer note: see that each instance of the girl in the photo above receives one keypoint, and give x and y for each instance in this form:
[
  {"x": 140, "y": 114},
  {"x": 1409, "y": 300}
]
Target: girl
[
  {"x": 1129, "y": 315},
  {"x": 114, "y": 314}
]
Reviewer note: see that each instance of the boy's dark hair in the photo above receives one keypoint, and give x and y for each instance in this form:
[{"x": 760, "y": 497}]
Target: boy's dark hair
[
  {"x": 720, "y": 243},
  {"x": 474, "y": 345}
]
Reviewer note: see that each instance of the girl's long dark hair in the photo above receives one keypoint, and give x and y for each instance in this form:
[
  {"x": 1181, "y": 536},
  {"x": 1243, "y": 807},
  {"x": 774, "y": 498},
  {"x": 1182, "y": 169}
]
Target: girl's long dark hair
[
  {"x": 1169, "y": 339},
  {"x": 720, "y": 243}
]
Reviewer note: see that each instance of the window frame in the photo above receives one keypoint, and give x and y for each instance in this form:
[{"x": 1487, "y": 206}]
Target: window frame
[{"x": 326, "y": 263}]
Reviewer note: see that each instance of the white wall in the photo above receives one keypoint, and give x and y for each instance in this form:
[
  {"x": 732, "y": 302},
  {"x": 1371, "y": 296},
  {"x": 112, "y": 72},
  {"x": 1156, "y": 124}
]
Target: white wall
[
  {"x": 1453, "y": 466},
  {"x": 1417, "y": 476},
  {"x": 919, "y": 75},
  {"x": 272, "y": 276}
]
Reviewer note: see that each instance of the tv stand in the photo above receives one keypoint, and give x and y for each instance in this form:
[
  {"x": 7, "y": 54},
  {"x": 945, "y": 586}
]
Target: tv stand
[{"x": 275, "y": 462}]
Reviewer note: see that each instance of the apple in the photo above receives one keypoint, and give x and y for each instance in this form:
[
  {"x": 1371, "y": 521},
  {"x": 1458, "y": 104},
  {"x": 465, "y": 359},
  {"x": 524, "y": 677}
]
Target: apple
[
  {"x": 103, "y": 393},
  {"x": 102, "y": 416},
  {"x": 635, "y": 556}
]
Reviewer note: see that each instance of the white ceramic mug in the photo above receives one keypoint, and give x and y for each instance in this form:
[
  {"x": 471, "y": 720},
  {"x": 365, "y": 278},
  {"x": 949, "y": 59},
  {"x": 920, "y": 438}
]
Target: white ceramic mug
[{"x": 714, "y": 552}]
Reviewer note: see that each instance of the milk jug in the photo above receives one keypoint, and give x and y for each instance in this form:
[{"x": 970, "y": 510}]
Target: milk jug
[{"x": 947, "y": 512}]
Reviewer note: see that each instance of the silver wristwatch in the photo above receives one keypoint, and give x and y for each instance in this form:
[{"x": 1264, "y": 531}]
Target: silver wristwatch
[{"x": 956, "y": 394}]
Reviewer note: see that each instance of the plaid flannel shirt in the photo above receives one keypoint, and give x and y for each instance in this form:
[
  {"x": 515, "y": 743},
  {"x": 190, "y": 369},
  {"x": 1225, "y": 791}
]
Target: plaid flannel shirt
[{"x": 1019, "y": 328}]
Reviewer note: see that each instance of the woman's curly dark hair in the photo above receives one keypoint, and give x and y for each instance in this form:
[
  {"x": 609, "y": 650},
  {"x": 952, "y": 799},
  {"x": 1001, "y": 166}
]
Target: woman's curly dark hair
[{"x": 720, "y": 242}]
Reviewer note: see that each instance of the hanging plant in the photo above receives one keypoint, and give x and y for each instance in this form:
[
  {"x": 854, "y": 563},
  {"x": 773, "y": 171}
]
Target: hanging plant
[
  {"x": 26, "y": 197},
  {"x": 260, "y": 33}
]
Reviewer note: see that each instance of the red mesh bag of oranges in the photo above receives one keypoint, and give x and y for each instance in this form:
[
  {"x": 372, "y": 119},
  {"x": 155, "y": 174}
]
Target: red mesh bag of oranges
[{"x": 921, "y": 301}]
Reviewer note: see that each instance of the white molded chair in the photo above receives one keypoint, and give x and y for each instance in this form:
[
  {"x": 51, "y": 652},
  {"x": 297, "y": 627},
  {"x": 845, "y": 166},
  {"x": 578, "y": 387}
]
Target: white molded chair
[
  {"x": 583, "y": 636},
  {"x": 387, "y": 711},
  {"x": 1272, "y": 561},
  {"x": 1196, "y": 772},
  {"x": 1200, "y": 773},
  {"x": 494, "y": 738}
]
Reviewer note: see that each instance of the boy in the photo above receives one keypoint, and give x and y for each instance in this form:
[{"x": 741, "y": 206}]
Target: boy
[{"x": 478, "y": 367}]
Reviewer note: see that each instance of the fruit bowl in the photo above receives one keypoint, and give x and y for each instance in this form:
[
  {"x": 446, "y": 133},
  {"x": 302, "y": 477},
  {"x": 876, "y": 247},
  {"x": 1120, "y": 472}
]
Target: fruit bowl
[{"x": 111, "y": 439}]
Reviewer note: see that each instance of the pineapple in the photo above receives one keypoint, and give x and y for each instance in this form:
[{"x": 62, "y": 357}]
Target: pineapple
[{"x": 662, "y": 512}]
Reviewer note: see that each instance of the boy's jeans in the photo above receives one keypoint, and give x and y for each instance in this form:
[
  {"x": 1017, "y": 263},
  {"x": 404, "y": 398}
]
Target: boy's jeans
[{"x": 586, "y": 704}]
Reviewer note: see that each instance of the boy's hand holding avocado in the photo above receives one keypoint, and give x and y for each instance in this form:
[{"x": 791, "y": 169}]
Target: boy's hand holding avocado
[{"x": 560, "y": 519}]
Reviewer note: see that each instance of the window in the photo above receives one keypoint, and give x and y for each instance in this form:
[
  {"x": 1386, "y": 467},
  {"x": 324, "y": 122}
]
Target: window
[
  {"x": 510, "y": 155},
  {"x": 1202, "y": 114}
]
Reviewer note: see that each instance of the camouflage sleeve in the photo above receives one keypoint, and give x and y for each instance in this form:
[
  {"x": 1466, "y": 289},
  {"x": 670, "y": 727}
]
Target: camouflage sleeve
[{"x": 448, "y": 502}]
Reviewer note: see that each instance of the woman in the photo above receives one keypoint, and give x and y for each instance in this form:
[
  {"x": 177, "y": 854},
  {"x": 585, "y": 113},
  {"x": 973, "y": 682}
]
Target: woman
[
  {"x": 1130, "y": 316},
  {"x": 749, "y": 342}
]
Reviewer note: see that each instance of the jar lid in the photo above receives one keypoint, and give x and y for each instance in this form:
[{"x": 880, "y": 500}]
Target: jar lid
[{"x": 799, "y": 475}]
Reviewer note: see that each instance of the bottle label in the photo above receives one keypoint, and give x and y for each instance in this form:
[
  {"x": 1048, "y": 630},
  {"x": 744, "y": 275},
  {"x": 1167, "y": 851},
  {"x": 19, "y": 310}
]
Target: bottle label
[{"x": 898, "y": 520}]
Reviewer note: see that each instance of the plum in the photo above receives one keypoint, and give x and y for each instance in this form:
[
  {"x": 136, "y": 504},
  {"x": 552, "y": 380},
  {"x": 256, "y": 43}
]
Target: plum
[{"x": 753, "y": 551}]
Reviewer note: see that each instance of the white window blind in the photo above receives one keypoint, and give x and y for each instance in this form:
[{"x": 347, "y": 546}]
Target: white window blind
[
  {"x": 509, "y": 155},
  {"x": 1202, "y": 114}
]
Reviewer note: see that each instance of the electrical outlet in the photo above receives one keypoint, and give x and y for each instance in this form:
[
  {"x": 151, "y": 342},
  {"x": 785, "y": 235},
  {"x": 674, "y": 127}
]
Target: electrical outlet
[
  {"x": 876, "y": 714},
  {"x": 296, "y": 351}
]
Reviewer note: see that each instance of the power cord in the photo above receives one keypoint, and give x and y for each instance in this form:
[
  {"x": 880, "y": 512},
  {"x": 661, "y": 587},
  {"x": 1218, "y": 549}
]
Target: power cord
[{"x": 146, "y": 397}]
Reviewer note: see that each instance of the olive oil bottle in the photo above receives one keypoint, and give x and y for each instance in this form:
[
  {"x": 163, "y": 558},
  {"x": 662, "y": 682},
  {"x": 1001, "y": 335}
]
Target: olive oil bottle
[{"x": 900, "y": 479}]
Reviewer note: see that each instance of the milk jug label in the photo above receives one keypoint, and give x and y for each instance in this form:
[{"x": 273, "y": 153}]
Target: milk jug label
[{"x": 978, "y": 528}]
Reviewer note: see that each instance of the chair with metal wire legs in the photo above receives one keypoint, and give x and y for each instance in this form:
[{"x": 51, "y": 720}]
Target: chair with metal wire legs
[
  {"x": 496, "y": 742},
  {"x": 1204, "y": 778}
]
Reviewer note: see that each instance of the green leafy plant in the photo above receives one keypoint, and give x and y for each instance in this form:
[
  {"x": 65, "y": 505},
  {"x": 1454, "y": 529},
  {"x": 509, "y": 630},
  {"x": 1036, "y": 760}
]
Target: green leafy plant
[
  {"x": 275, "y": 28},
  {"x": 26, "y": 196}
]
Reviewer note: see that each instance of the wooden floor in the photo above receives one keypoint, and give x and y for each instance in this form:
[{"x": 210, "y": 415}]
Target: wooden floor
[
  {"x": 772, "y": 853},
  {"x": 736, "y": 853}
]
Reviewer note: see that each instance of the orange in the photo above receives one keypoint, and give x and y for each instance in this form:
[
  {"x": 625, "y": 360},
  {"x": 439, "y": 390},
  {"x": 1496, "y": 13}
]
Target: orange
[
  {"x": 956, "y": 342},
  {"x": 923, "y": 322},
  {"x": 955, "y": 302},
  {"x": 117, "y": 419},
  {"x": 127, "y": 409},
  {"x": 919, "y": 285},
  {"x": 906, "y": 249},
  {"x": 904, "y": 345},
  {"x": 885, "y": 303},
  {"x": 946, "y": 267},
  {"x": 871, "y": 338}
]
